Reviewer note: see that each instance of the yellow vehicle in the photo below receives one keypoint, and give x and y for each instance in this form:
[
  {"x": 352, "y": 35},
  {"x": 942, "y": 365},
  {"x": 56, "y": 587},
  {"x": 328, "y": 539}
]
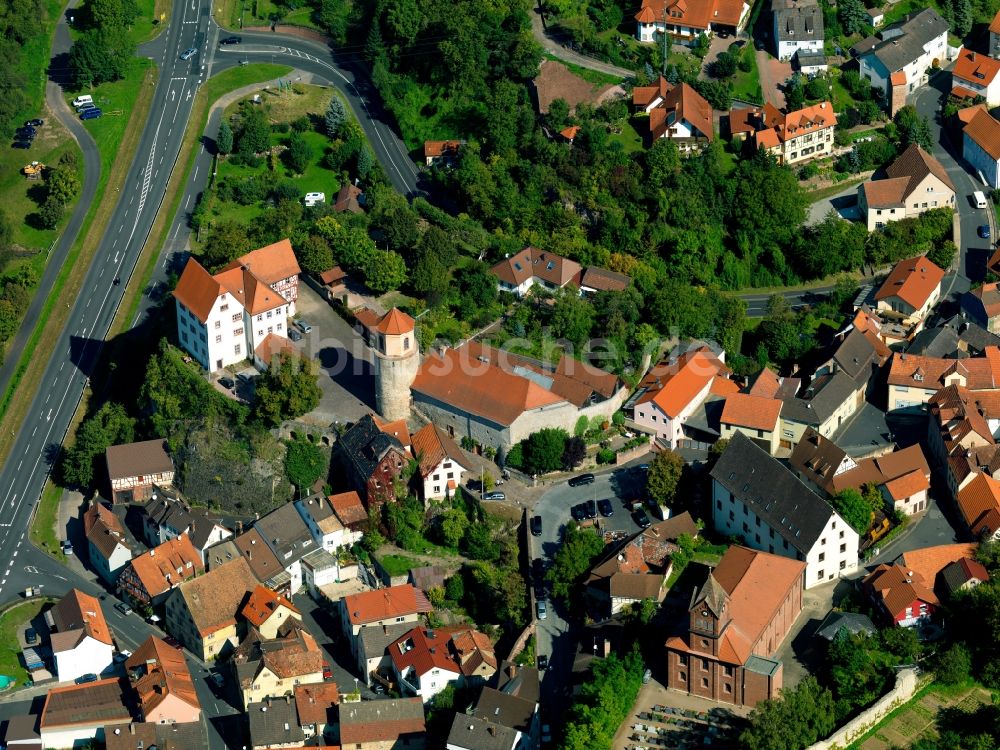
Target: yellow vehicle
[{"x": 34, "y": 170}]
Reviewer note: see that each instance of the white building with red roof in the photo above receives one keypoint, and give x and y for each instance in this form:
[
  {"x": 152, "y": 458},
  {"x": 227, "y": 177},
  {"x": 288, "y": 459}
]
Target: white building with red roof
[
  {"x": 674, "y": 390},
  {"x": 975, "y": 74},
  {"x": 519, "y": 272},
  {"x": 81, "y": 640},
  {"x": 912, "y": 288},
  {"x": 676, "y": 111},
  {"x": 441, "y": 462},
  {"x": 224, "y": 318},
  {"x": 684, "y": 20},
  {"x": 797, "y": 136},
  {"x": 426, "y": 661}
]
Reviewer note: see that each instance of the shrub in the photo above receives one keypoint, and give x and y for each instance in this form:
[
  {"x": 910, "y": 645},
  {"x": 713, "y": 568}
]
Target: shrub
[{"x": 605, "y": 456}]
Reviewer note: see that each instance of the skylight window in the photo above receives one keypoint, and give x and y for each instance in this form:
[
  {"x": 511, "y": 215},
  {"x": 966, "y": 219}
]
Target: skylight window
[{"x": 517, "y": 266}]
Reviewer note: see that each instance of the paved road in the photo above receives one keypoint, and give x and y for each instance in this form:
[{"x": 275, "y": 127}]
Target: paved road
[{"x": 556, "y": 46}]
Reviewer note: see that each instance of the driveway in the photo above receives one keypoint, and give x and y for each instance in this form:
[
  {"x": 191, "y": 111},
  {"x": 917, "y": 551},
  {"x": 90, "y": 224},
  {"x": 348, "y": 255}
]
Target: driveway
[
  {"x": 773, "y": 73},
  {"x": 799, "y": 654},
  {"x": 346, "y": 374},
  {"x": 845, "y": 203}
]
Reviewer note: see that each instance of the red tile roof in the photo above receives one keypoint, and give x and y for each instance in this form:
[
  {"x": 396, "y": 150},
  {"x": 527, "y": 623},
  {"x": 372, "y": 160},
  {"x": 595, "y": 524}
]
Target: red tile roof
[
  {"x": 422, "y": 650},
  {"x": 274, "y": 345},
  {"x": 431, "y": 446},
  {"x": 697, "y": 14},
  {"x": 912, "y": 280},
  {"x": 348, "y": 507},
  {"x": 77, "y": 615},
  {"x": 541, "y": 264},
  {"x": 980, "y": 373},
  {"x": 197, "y": 289},
  {"x": 167, "y": 564},
  {"x": 984, "y": 130},
  {"x": 673, "y": 385},
  {"x": 90, "y": 704},
  {"x": 158, "y": 671},
  {"x": 929, "y": 561},
  {"x": 384, "y": 721},
  {"x": 435, "y": 149},
  {"x": 907, "y": 485},
  {"x": 975, "y": 68},
  {"x": 897, "y": 588},
  {"x": 979, "y": 503},
  {"x": 272, "y": 263},
  {"x": 333, "y": 275},
  {"x": 794, "y": 124},
  {"x": 262, "y": 604},
  {"x": 395, "y": 323},
  {"x": 315, "y": 703},
  {"x": 989, "y": 296},
  {"x": 995, "y": 24},
  {"x": 681, "y": 104},
  {"x": 382, "y": 604},
  {"x": 754, "y": 412}
]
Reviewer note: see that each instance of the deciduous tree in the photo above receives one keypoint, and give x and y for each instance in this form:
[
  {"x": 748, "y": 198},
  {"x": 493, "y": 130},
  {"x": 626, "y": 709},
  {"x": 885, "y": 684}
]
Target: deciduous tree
[{"x": 665, "y": 472}]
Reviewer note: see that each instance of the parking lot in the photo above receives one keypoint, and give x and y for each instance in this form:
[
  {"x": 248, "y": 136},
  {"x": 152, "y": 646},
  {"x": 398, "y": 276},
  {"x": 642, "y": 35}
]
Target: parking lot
[{"x": 346, "y": 375}]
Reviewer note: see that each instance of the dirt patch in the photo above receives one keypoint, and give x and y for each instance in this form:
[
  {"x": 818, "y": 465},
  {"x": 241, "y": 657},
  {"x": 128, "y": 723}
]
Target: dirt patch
[{"x": 288, "y": 105}]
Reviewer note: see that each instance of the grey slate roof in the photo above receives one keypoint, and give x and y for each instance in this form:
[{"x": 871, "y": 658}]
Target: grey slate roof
[
  {"x": 274, "y": 722},
  {"x": 899, "y": 44},
  {"x": 774, "y": 493},
  {"x": 365, "y": 444},
  {"x": 286, "y": 533},
  {"x": 474, "y": 733},
  {"x": 799, "y": 23},
  {"x": 509, "y": 710},
  {"x": 827, "y": 394},
  {"x": 853, "y": 622},
  {"x": 855, "y": 355},
  {"x": 174, "y": 736},
  {"x": 373, "y": 639},
  {"x": 810, "y": 59},
  {"x": 946, "y": 339}
]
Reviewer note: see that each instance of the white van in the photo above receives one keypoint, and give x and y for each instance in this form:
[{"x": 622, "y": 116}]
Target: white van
[
  {"x": 312, "y": 199},
  {"x": 979, "y": 198},
  {"x": 84, "y": 99}
]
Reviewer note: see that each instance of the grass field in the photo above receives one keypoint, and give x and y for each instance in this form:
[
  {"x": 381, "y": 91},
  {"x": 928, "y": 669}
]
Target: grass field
[
  {"x": 746, "y": 85},
  {"x": 630, "y": 138},
  {"x": 13, "y": 620},
  {"x": 43, "y": 528},
  {"x": 259, "y": 12},
  {"x": 398, "y": 565}
]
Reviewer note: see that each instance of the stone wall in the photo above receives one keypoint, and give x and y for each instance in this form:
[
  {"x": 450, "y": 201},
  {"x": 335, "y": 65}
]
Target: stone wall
[
  {"x": 393, "y": 377},
  {"x": 625, "y": 456},
  {"x": 906, "y": 685}
]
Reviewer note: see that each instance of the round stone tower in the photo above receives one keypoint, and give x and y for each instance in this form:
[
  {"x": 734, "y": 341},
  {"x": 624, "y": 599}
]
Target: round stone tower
[{"x": 396, "y": 361}]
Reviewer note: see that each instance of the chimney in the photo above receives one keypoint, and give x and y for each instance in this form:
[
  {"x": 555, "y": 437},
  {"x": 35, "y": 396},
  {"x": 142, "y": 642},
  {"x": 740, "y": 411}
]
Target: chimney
[
  {"x": 152, "y": 553},
  {"x": 131, "y": 728}
]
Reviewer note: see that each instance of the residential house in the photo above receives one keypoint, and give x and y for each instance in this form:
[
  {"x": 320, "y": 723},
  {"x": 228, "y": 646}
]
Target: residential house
[
  {"x": 134, "y": 469},
  {"x": 201, "y": 613},
  {"x": 274, "y": 724},
  {"x": 811, "y": 63},
  {"x": 266, "y": 611},
  {"x": 272, "y": 667},
  {"x": 81, "y": 640},
  {"x": 442, "y": 152},
  {"x": 161, "y": 736},
  {"x": 757, "y": 417},
  {"x": 909, "y": 292},
  {"x": 326, "y": 528},
  {"x": 349, "y": 198},
  {"x": 960, "y": 436},
  {"x": 75, "y": 714},
  {"x": 426, "y": 661},
  {"x": 793, "y": 137},
  {"x": 498, "y": 398},
  {"x": 914, "y": 379},
  {"x": 900, "y": 596},
  {"x": 350, "y": 511},
  {"x": 957, "y": 337},
  {"x": 107, "y": 543},
  {"x": 150, "y": 577},
  {"x": 288, "y": 536},
  {"x": 394, "y": 604},
  {"x": 334, "y": 281},
  {"x": 963, "y": 575},
  {"x": 983, "y": 305},
  {"x": 22, "y": 733},
  {"x": 914, "y": 183},
  {"x": 556, "y": 81},
  {"x": 979, "y": 504},
  {"x": 975, "y": 75},
  {"x": 930, "y": 562},
  {"x": 474, "y": 733},
  {"x": 673, "y": 390},
  {"x": 511, "y": 699},
  {"x": 628, "y": 573},
  {"x": 441, "y": 463},
  {"x": 519, "y": 272},
  {"x": 686, "y": 20},
  {"x": 981, "y": 147},
  {"x": 316, "y": 706},
  {"x": 383, "y": 724},
  {"x": 761, "y": 501},
  {"x": 373, "y": 460},
  {"x": 737, "y": 623},
  {"x": 596, "y": 279},
  {"x": 370, "y": 650},
  {"x": 162, "y": 684},
  {"x": 222, "y": 319},
  {"x": 677, "y": 112},
  {"x": 265, "y": 565},
  {"x": 897, "y": 57},
  {"x": 798, "y": 27},
  {"x": 166, "y": 516},
  {"x": 272, "y": 348}
]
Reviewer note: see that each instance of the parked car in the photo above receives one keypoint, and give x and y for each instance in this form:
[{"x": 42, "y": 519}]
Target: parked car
[
  {"x": 536, "y": 525},
  {"x": 188, "y": 53},
  {"x": 546, "y": 734},
  {"x": 579, "y": 512},
  {"x": 541, "y": 609},
  {"x": 227, "y": 383},
  {"x": 122, "y": 656},
  {"x": 36, "y": 123},
  {"x": 80, "y": 108},
  {"x": 171, "y": 641},
  {"x": 604, "y": 506},
  {"x": 641, "y": 518},
  {"x": 67, "y": 547},
  {"x": 984, "y": 231},
  {"x": 21, "y": 144},
  {"x": 303, "y": 326},
  {"x": 218, "y": 679},
  {"x": 495, "y": 495},
  {"x": 31, "y": 636},
  {"x": 581, "y": 480},
  {"x": 26, "y": 134},
  {"x": 123, "y": 608},
  {"x": 91, "y": 114},
  {"x": 294, "y": 334},
  {"x": 85, "y": 678},
  {"x": 231, "y": 40},
  {"x": 327, "y": 672},
  {"x": 543, "y": 662},
  {"x": 591, "y": 507},
  {"x": 643, "y": 467}
]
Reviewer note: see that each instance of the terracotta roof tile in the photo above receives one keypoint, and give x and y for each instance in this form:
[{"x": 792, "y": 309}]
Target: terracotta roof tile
[
  {"x": 81, "y": 615},
  {"x": 604, "y": 280},
  {"x": 989, "y": 296},
  {"x": 697, "y": 14},
  {"x": 262, "y": 561},
  {"x": 103, "y": 529},
  {"x": 673, "y": 385},
  {"x": 90, "y": 704},
  {"x": 316, "y": 704},
  {"x": 395, "y": 323},
  {"x": 980, "y": 373},
  {"x": 976, "y": 68},
  {"x": 681, "y": 103},
  {"x": 333, "y": 275},
  {"x": 436, "y": 149},
  {"x": 431, "y": 446},
  {"x": 929, "y": 561},
  {"x": 158, "y": 671},
  {"x": 138, "y": 459},
  {"x": 381, "y": 604},
  {"x": 262, "y": 604},
  {"x": 166, "y": 565},
  {"x": 984, "y": 130},
  {"x": 541, "y": 264},
  {"x": 912, "y": 280},
  {"x": 898, "y": 78},
  {"x": 214, "y": 599},
  {"x": 897, "y": 588},
  {"x": 274, "y": 345},
  {"x": 272, "y": 263},
  {"x": 907, "y": 485},
  {"x": 754, "y": 412},
  {"x": 978, "y": 501},
  {"x": 348, "y": 508},
  {"x": 886, "y": 193},
  {"x": 398, "y": 429},
  {"x": 995, "y": 24},
  {"x": 197, "y": 289},
  {"x": 381, "y": 721}
]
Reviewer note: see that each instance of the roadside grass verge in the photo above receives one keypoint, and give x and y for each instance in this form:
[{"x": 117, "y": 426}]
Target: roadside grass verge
[
  {"x": 214, "y": 88},
  {"x": 137, "y": 91},
  {"x": 14, "y": 619},
  {"x": 259, "y": 12},
  {"x": 43, "y": 525}
]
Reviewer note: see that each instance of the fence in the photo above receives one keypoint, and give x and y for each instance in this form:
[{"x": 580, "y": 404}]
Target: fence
[{"x": 906, "y": 685}]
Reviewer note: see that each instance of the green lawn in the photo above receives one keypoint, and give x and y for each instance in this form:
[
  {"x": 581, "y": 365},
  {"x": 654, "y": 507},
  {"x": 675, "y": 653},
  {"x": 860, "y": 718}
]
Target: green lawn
[
  {"x": 630, "y": 138},
  {"x": 43, "y": 527},
  {"x": 398, "y": 565},
  {"x": 746, "y": 85},
  {"x": 13, "y": 620},
  {"x": 260, "y": 12}
]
